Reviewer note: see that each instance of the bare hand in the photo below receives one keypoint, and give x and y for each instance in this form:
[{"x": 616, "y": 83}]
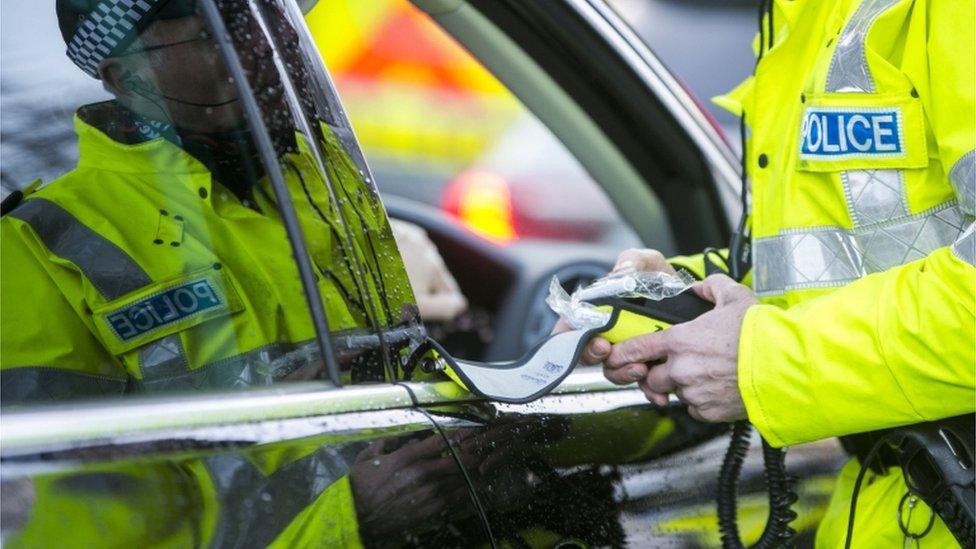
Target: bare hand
[
  {"x": 697, "y": 360},
  {"x": 400, "y": 484},
  {"x": 633, "y": 259}
]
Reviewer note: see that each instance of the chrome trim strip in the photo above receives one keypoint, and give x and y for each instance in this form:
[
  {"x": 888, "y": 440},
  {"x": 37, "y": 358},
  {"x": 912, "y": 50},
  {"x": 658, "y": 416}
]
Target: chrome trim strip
[
  {"x": 724, "y": 162},
  {"x": 848, "y": 72},
  {"x": 106, "y": 266},
  {"x": 582, "y": 380},
  {"x": 824, "y": 257},
  {"x": 258, "y": 414},
  {"x": 63, "y": 426},
  {"x": 963, "y": 179}
]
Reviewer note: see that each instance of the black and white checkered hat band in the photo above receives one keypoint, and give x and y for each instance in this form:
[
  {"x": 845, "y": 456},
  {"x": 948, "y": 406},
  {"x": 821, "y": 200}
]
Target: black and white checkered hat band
[{"x": 108, "y": 25}]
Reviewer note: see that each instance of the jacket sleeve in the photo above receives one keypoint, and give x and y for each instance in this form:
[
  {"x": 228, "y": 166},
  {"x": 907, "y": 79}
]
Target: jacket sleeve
[{"x": 893, "y": 348}]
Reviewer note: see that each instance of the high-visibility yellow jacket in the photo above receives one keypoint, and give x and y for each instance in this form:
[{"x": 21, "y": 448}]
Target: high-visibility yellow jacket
[
  {"x": 137, "y": 271},
  {"x": 862, "y": 159}
]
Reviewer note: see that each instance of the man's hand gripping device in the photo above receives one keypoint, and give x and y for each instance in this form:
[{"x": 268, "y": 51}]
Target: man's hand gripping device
[
  {"x": 615, "y": 309},
  {"x": 546, "y": 365}
]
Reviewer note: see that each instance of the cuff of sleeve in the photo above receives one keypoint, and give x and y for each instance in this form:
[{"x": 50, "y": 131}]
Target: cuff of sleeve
[
  {"x": 694, "y": 264},
  {"x": 749, "y": 375}
]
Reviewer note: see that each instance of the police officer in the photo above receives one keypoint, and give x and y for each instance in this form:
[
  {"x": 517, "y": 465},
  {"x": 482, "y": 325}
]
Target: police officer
[
  {"x": 859, "y": 313},
  {"x": 161, "y": 263}
]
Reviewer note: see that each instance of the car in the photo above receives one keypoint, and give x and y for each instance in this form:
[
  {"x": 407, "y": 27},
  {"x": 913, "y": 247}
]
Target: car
[{"x": 381, "y": 448}]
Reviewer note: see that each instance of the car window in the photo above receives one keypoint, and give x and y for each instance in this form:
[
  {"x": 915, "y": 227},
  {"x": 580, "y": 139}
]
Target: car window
[
  {"x": 441, "y": 130},
  {"x": 706, "y": 44},
  {"x": 159, "y": 257}
]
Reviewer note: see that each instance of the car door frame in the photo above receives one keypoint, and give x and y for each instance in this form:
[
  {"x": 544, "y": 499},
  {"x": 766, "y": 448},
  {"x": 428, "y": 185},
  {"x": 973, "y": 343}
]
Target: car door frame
[
  {"x": 148, "y": 425},
  {"x": 47, "y": 438}
]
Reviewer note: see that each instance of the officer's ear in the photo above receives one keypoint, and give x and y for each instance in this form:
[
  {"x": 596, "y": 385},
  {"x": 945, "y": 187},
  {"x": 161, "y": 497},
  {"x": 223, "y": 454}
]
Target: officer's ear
[
  {"x": 118, "y": 78},
  {"x": 123, "y": 80}
]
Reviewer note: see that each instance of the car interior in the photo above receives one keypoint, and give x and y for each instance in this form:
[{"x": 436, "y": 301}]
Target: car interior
[{"x": 628, "y": 140}]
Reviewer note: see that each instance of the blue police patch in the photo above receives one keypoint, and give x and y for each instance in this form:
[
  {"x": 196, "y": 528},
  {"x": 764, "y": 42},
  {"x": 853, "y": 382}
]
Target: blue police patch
[
  {"x": 840, "y": 133},
  {"x": 165, "y": 308}
]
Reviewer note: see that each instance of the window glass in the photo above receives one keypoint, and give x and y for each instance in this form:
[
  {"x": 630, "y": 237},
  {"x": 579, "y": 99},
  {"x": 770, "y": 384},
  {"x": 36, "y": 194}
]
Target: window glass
[
  {"x": 159, "y": 257},
  {"x": 706, "y": 44},
  {"x": 441, "y": 130}
]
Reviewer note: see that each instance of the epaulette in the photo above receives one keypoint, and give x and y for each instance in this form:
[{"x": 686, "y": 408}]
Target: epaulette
[{"x": 14, "y": 199}]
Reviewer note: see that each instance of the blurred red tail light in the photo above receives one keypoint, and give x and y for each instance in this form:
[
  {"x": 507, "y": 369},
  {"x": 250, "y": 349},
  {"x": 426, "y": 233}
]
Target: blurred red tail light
[{"x": 482, "y": 201}]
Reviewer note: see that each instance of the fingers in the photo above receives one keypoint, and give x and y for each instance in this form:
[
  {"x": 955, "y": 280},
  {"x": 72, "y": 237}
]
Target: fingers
[
  {"x": 625, "y": 374},
  {"x": 375, "y": 449},
  {"x": 636, "y": 259},
  {"x": 596, "y": 351},
  {"x": 659, "y": 380},
  {"x": 641, "y": 349},
  {"x": 561, "y": 326},
  {"x": 660, "y": 399},
  {"x": 720, "y": 289},
  {"x": 695, "y": 413}
]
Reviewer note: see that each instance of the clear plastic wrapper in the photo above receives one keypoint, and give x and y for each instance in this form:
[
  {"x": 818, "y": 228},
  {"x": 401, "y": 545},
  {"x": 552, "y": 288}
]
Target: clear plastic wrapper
[{"x": 577, "y": 310}]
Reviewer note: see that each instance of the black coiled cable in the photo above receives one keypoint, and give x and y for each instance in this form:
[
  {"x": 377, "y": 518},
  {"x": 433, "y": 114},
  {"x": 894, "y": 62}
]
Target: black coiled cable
[
  {"x": 779, "y": 484},
  {"x": 728, "y": 485}
]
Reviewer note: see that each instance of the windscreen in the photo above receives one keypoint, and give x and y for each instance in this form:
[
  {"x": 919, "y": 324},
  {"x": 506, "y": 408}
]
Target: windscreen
[{"x": 209, "y": 224}]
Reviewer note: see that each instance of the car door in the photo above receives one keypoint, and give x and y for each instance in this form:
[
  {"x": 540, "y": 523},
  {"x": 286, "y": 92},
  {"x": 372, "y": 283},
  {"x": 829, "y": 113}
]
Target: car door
[
  {"x": 419, "y": 463},
  {"x": 593, "y": 464}
]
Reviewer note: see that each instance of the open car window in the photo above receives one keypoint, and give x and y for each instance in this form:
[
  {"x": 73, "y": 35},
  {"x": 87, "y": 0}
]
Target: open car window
[
  {"x": 441, "y": 130},
  {"x": 216, "y": 192}
]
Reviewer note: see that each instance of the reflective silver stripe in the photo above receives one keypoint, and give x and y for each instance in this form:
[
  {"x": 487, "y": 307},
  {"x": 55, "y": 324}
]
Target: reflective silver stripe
[
  {"x": 113, "y": 272},
  {"x": 830, "y": 256},
  {"x": 849, "y": 67},
  {"x": 43, "y": 384},
  {"x": 965, "y": 246},
  {"x": 885, "y": 233},
  {"x": 874, "y": 196},
  {"x": 255, "y": 509},
  {"x": 963, "y": 178},
  {"x": 261, "y": 366},
  {"x": 163, "y": 359},
  {"x": 108, "y": 268}
]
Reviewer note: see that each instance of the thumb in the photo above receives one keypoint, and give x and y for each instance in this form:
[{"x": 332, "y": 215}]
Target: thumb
[{"x": 719, "y": 289}]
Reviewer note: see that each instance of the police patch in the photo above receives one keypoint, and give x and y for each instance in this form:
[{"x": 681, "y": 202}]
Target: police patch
[
  {"x": 165, "y": 308},
  {"x": 843, "y": 133}
]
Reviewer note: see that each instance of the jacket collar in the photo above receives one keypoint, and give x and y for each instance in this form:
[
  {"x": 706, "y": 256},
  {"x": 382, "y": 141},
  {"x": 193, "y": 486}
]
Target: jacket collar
[{"x": 109, "y": 140}]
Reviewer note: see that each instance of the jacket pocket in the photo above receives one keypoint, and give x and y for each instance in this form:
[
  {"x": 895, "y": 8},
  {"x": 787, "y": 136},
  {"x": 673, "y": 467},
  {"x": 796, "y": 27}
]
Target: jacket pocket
[
  {"x": 165, "y": 308},
  {"x": 851, "y": 131}
]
